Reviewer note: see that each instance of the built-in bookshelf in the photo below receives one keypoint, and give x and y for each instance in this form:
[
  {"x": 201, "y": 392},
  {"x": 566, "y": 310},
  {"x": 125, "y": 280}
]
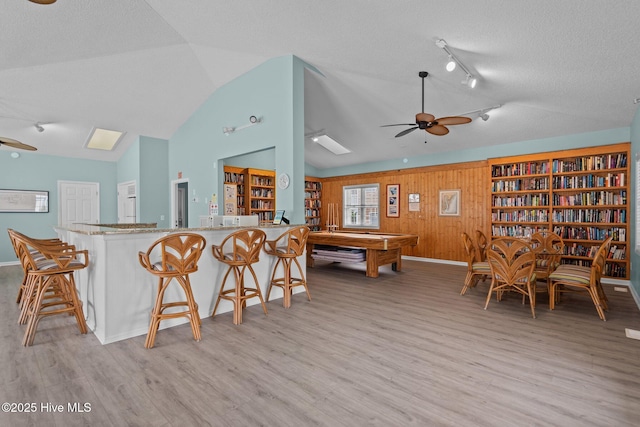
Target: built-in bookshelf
[
  {"x": 261, "y": 193},
  {"x": 313, "y": 202},
  {"x": 581, "y": 195},
  {"x": 236, "y": 176}
]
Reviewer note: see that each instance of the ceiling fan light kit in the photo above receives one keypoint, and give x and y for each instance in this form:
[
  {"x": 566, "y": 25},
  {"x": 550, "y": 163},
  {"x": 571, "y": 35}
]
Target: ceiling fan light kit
[{"x": 471, "y": 81}]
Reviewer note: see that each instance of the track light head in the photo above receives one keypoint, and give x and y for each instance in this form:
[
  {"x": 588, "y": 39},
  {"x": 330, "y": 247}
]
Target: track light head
[
  {"x": 484, "y": 116},
  {"x": 39, "y": 127},
  {"x": 451, "y": 65},
  {"x": 470, "y": 81}
]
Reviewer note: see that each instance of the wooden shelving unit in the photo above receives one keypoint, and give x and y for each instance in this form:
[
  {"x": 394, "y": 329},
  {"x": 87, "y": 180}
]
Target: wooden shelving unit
[
  {"x": 313, "y": 202},
  {"x": 261, "y": 193},
  {"x": 581, "y": 194},
  {"x": 236, "y": 176}
]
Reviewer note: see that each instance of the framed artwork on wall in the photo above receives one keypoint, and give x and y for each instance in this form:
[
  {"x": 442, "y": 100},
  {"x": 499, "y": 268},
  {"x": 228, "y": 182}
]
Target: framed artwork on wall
[
  {"x": 24, "y": 201},
  {"x": 449, "y": 203},
  {"x": 414, "y": 202},
  {"x": 393, "y": 200}
]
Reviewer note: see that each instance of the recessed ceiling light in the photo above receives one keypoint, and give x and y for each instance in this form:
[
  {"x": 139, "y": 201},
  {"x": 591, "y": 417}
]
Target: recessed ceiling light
[{"x": 103, "y": 139}]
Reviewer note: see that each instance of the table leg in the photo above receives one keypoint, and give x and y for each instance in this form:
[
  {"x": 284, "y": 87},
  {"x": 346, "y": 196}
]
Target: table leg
[{"x": 372, "y": 263}]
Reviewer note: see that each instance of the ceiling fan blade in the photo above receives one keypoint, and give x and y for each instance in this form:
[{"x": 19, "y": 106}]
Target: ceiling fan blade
[
  {"x": 453, "y": 120},
  {"x": 425, "y": 117},
  {"x": 16, "y": 144},
  {"x": 437, "y": 130},
  {"x": 398, "y": 124},
  {"x": 406, "y": 131}
]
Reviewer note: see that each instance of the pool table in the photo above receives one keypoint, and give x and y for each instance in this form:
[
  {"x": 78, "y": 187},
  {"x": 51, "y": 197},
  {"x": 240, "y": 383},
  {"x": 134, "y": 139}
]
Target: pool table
[{"x": 380, "y": 248}]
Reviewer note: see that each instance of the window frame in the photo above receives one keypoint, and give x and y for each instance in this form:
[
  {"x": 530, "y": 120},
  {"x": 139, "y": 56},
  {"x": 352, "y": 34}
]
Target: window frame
[{"x": 363, "y": 211}]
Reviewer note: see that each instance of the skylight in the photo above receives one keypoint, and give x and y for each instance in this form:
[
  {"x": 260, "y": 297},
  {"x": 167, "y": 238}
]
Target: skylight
[{"x": 103, "y": 139}]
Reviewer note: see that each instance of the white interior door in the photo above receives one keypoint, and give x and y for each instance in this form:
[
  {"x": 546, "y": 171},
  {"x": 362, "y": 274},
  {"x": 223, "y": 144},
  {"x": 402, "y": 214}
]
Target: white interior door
[
  {"x": 127, "y": 202},
  {"x": 79, "y": 202}
]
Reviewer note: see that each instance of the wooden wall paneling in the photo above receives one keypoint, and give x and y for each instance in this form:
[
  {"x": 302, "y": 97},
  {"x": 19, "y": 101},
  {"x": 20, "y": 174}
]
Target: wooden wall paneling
[{"x": 439, "y": 236}]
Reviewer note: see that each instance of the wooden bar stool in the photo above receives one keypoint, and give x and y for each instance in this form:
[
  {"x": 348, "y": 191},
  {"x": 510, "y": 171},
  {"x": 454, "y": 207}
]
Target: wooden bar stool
[
  {"x": 50, "y": 244},
  {"x": 51, "y": 286},
  {"x": 239, "y": 250},
  {"x": 287, "y": 248},
  {"x": 179, "y": 255}
]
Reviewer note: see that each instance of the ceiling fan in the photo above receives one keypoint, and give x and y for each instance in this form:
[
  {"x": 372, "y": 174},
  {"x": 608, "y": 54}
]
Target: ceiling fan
[
  {"x": 15, "y": 144},
  {"x": 428, "y": 122}
]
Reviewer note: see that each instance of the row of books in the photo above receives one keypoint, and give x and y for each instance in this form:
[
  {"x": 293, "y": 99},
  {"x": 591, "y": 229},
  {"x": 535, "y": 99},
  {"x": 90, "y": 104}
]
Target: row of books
[
  {"x": 313, "y": 203},
  {"x": 515, "y": 230},
  {"x": 576, "y": 249},
  {"x": 312, "y": 213},
  {"x": 312, "y": 185},
  {"x": 591, "y": 198},
  {"x": 591, "y": 233},
  {"x": 312, "y": 194},
  {"x": 522, "y": 184},
  {"x": 617, "y": 252},
  {"x": 233, "y": 178},
  {"x": 261, "y": 192},
  {"x": 261, "y": 180},
  {"x": 261, "y": 204},
  {"x": 590, "y": 215},
  {"x": 523, "y": 200},
  {"x": 523, "y": 215},
  {"x": 517, "y": 169},
  {"x": 589, "y": 181},
  {"x": 587, "y": 163}
]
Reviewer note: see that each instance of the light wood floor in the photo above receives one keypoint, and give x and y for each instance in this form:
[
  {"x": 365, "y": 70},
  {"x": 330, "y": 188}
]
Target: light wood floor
[{"x": 401, "y": 350}]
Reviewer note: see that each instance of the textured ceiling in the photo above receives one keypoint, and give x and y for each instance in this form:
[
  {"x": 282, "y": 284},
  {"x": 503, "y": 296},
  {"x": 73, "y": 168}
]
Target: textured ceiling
[{"x": 557, "y": 68}]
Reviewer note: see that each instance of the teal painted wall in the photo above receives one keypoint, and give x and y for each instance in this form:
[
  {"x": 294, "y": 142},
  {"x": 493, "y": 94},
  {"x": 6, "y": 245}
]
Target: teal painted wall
[
  {"x": 265, "y": 159},
  {"x": 154, "y": 191},
  {"x": 591, "y": 139},
  {"x": 271, "y": 91},
  {"x": 34, "y": 171},
  {"x": 146, "y": 162}
]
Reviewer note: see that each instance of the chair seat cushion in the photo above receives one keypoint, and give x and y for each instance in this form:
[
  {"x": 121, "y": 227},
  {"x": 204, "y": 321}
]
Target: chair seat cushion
[
  {"x": 571, "y": 273},
  {"x": 481, "y": 267},
  {"x": 158, "y": 266}
]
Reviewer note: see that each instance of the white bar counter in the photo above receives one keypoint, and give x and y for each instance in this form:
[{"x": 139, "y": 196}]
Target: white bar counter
[{"x": 118, "y": 294}]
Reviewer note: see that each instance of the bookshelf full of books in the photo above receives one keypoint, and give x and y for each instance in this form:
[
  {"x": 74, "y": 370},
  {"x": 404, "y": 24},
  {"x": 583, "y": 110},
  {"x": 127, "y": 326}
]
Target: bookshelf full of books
[
  {"x": 256, "y": 192},
  {"x": 580, "y": 194},
  {"x": 313, "y": 202}
]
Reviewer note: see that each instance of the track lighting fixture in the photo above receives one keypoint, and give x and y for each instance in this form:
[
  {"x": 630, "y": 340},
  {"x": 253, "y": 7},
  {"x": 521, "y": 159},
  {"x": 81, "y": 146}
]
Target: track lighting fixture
[
  {"x": 482, "y": 114},
  {"x": 253, "y": 120},
  {"x": 470, "y": 80},
  {"x": 39, "y": 127}
]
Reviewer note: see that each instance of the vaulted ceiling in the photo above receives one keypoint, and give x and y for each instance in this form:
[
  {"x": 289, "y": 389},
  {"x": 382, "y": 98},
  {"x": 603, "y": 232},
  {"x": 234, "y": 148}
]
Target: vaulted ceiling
[{"x": 557, "y": 68}]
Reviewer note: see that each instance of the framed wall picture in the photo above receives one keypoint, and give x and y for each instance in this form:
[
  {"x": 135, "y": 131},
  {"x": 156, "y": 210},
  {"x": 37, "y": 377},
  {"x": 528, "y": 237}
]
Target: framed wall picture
[
  {"x": 414, "y": 202},
  {"x": 449, "y": 203},
  {"x": 393, "y": 200},
  {"x": 24, "y": 201}
]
